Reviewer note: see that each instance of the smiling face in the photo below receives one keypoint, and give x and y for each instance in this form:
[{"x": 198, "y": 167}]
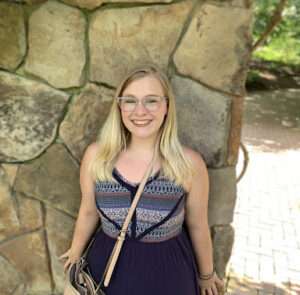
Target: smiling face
[{"x": 141, "y": 122}]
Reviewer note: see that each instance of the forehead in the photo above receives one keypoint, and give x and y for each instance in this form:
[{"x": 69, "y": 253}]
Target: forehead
[{"x": 144, "y": 86}]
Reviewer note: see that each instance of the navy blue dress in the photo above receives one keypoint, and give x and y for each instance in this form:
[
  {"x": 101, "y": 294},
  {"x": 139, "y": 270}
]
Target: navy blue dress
[{"x": 157, "y": 257}]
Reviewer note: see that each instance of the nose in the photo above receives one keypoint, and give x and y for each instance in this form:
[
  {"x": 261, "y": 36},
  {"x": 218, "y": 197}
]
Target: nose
[{"x": 140, "y": 109}]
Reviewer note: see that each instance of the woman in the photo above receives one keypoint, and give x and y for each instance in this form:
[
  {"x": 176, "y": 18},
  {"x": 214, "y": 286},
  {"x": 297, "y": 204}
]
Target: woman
[{"x": 168, "y": 248}]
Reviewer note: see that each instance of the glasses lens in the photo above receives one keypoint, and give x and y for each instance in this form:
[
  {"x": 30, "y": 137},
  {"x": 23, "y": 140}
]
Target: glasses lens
[
  {"x": 152, "y": 102},
  {"x": 128, "y": 104}
]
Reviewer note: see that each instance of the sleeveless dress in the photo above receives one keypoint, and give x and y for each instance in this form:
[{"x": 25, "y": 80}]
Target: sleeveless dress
[{"x": 157, "y": 257}]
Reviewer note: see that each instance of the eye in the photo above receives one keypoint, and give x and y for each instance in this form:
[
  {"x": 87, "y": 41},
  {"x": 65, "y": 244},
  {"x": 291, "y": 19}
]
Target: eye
[
  {"x": 129, "y": 100},
  {"x": 152, "y": 99}
]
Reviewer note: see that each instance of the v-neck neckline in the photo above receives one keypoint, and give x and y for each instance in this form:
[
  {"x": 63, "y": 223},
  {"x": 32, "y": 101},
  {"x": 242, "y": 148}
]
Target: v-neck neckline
[{"x": 134, "y": 184}]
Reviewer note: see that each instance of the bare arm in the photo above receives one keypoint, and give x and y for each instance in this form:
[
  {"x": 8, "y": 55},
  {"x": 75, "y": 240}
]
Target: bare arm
[
  {"x": 196, "y": 214},
  {"x": 197, "y": 223},
  {"x": 88, "y": 216}
]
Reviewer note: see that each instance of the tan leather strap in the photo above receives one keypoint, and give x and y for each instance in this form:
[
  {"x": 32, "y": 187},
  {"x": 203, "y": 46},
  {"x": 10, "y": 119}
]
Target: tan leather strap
[{"x": 118, "y": 245}]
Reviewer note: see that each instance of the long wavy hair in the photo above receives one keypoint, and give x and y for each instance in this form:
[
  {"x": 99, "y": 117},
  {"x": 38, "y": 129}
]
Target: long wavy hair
[{"x": 114, "y": 137}]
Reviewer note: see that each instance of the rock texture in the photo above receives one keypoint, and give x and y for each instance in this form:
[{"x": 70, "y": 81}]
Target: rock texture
[
  {"x": 122, "y": 38},
  {"x": 12, "y": 35},
  {"x": 11, "y": 172},
  {"x": 203, "y": 119},
  {"x": 56, "y": 45},
  {"x": 9, "y": 222},
  {"x": 89, "y": 4},
  {"x": 85, "y": 117},
  {"x": 222, "y": 195},
  {"x": 52, "y": 179},
  {"x": 222, "y": 239},
  {"x": 29, "y": 115},
  {"x": 10, "y": 278},
  {"x": 59, "y": 242},
  {"x": 30, "y": 213},
  {"x": 27, "y": 253},
  {"x": 214, "y": 53}
]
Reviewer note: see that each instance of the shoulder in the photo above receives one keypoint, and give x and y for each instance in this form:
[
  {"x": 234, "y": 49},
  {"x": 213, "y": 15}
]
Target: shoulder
[
  {"x": 88, "y": 158},
  {"x": 195, "y": 157},
  {"x": 90, "y": 151},
  {"x": 87, "y": 181},
  {"x": 199, "y": 166}
]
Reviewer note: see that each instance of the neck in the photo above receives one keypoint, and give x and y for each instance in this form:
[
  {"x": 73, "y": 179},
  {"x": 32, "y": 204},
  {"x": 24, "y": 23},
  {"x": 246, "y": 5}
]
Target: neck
[{"x": 142, "y": 146}]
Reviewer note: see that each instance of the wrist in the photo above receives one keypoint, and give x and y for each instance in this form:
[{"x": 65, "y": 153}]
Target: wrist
[
  {"x": 74, "y": 254},
  {"x": 207, "y": 276}
]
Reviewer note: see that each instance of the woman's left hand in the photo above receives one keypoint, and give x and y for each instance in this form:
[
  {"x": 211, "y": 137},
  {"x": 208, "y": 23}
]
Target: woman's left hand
[{"x": 212, "y": 286}]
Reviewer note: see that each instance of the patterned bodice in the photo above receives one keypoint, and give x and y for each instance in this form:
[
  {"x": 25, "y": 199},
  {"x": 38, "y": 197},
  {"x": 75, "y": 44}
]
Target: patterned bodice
[{"x": 159, "y": 214}]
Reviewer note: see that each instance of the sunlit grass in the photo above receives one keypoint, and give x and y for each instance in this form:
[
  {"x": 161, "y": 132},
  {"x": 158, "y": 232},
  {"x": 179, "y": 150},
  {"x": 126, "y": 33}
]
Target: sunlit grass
[{"x": 284, "y": 50}]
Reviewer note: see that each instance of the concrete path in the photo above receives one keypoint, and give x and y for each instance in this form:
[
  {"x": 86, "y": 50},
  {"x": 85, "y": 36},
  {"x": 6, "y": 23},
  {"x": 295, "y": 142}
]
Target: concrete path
[{"x": 266, "y": 252}]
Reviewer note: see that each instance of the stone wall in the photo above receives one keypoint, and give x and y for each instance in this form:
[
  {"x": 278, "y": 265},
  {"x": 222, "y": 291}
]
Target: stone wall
[{"x": 60, "y": 62}]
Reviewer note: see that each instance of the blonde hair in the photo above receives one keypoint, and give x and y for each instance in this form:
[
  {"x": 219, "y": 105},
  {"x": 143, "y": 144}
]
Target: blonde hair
[{"x": 114, "y": 137}]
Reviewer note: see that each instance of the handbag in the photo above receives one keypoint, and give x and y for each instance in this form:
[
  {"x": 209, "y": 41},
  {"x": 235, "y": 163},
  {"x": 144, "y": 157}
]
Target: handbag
[{"x": 78, "y": 278}]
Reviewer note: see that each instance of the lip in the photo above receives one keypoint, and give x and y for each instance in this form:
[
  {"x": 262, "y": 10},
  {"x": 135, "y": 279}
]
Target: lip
[{"x": 137, "y": 122}]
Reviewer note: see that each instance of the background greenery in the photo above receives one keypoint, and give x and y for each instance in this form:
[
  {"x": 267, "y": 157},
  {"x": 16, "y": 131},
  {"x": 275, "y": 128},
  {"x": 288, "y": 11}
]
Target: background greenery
[{"x": 283, "y": 44}]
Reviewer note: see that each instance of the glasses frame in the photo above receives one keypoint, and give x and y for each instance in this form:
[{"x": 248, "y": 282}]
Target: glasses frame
[{"x": 142, "y": 101}]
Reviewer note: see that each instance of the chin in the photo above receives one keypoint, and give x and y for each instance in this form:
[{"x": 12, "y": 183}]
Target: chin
[{"x": 143, "y": 133}]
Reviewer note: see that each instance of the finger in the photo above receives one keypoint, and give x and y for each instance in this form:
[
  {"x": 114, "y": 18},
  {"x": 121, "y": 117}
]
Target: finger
[
  {"x": 209, "y": 291},
  {"x": 203, "y": 291},
  {"x": 219, "y": 280},
  {"x": 66, "y": 266},
  {"x": 220, "y": 284},
  {"x": 63, "y": 255},
  {"x": 214, "y": 290},
  {"x": 66, "y": 270}
]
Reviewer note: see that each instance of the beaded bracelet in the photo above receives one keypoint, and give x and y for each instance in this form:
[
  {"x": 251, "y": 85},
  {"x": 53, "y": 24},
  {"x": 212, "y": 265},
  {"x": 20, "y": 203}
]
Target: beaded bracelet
[{"x": 207, "y": 276}]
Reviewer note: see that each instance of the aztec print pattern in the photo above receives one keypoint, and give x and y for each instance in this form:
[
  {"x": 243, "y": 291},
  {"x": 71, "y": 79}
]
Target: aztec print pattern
[{"x": 159, "y": 214}]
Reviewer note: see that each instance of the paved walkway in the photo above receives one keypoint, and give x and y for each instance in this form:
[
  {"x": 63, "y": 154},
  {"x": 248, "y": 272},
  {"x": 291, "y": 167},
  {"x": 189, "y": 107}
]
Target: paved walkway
[{"x": 266, "y": 252}]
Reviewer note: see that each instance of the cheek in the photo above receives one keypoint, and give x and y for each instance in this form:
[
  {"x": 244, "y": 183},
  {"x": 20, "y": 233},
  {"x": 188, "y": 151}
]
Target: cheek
[{"x": 124, "y": 116}]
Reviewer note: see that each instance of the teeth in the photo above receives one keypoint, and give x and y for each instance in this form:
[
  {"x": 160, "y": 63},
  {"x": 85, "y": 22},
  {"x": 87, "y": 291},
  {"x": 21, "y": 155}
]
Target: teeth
[{"x": 141, "y": 122}]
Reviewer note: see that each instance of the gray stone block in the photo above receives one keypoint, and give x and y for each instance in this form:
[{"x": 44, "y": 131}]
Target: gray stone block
[
  {"x": 203, "y": 119},
  {"x": 222, "y": 195}
]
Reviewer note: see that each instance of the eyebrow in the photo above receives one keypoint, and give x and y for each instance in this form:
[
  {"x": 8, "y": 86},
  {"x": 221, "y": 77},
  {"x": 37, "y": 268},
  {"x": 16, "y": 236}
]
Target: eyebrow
[{"x": 129, "y": 94}]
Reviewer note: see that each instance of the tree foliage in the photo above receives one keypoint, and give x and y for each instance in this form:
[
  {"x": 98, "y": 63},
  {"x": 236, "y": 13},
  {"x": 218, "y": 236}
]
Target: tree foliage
[
  {"x": 282, "y": 44},
  {"x": 290, "y": 24}
]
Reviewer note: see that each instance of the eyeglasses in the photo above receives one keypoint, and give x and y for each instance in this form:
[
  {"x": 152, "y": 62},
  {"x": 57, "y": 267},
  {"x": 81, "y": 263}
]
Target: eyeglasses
[{"x": 151, "y": 102}]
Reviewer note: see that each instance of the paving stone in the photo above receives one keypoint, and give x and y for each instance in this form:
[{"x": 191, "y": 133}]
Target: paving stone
[{"x": 267, "y": 202}]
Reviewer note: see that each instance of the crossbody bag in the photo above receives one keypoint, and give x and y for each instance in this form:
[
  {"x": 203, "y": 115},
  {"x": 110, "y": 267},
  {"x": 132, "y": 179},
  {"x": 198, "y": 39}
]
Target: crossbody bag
[{"x": 78, "y": 278}]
